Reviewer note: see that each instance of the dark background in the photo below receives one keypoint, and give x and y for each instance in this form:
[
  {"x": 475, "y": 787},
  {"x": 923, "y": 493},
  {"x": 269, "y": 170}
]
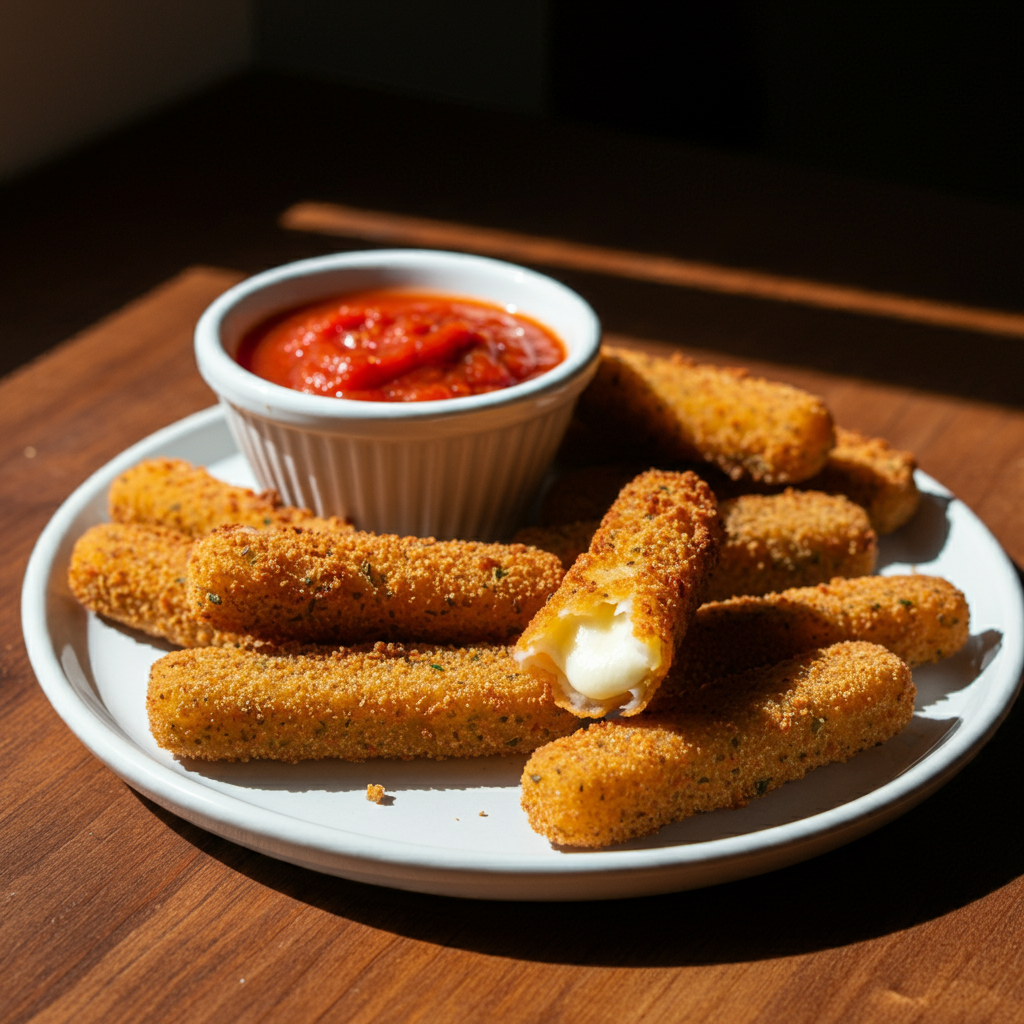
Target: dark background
[
  {"x": 926, "y": 93},
  {"x": 871, "y": 144},
  {"x": 931, "y": 94}
]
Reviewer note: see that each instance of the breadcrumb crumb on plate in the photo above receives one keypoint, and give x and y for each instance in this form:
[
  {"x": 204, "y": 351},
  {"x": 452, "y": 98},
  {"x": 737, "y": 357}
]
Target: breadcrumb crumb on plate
[{"x": 315, "y": 814}]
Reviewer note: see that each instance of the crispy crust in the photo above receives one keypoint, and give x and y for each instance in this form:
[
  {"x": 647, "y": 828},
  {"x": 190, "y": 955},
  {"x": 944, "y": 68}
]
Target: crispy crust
[
  {"x": 135, "y": 575},
  {"x": 875, "y": 475},
  {"x": 867, "y": 470},
  {"x": 918, "y": 618},
  {"x": 384, "y": 700},
  {"x": 792, "y": 539},
  {"x": 175, "y": 494},
  {"x": 313, "y": 586},
  {"x": 740, "y": 738},
  {"x": 745, "y": 425},
  {"x": 655, "y": 548}
]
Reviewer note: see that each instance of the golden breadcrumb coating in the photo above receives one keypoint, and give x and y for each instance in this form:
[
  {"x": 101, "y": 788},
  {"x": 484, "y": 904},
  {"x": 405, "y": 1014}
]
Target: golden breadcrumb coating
[
  {"x": 384, "y": 700},
  {"x": 867, "y": 470},
  {"x": 374, "y": 792},
  {"x": 792, "y": 539},
  {"x": 648, "y": 561},
  {"x": 173, "y": 493},
  {"x": 918, "y": 618},
  {"x": 875, "y": 475},
  {"x": 772, "y": 542},
  {"x": 744, "y": 425},
  {"x": 136, "y": 575},
  {"x": 313, "y": 586},
  {"x": 740, "y": 738}
]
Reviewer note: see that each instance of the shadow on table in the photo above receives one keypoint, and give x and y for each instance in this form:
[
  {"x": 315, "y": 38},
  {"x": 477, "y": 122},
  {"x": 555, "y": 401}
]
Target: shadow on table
[{"x": 954, "y": 849}]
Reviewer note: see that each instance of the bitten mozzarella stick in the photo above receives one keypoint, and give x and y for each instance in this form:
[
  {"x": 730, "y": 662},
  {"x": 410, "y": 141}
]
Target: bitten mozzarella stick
[
  {"x": 607, "y": 637},
  {"x": 918, "y": 618},
  {"x": 772, "y": 542},
  {"x": 312, "y": 586},
  {"x": 173, "y": 493},
  {"x": 744, "y": 425},
  {"x": 387, "y": 700},
  {"x": 875, "y": 475},
  {"x": 740, "y": 738},
  {"x": 135, "y": 575}
]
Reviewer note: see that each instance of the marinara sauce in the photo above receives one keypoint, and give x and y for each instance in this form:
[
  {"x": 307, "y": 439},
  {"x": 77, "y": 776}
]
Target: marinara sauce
[{"x": 386, "y": 346}]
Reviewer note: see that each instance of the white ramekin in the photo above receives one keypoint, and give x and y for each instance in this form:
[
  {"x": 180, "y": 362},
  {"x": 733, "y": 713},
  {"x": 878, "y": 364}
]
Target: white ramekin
[{"x": 465, "y": 467}]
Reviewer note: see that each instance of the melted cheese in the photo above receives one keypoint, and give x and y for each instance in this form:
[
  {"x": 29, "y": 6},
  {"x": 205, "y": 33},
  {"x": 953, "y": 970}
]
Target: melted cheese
[{"x": 596, "y": 656}]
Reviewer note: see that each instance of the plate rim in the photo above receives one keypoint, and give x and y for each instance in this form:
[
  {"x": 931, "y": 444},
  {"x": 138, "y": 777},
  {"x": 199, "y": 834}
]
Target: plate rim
[{"x": 474, "y": 873}]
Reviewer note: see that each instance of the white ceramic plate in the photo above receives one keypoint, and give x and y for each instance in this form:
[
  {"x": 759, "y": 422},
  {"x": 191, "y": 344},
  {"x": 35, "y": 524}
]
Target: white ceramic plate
[{"x": 455, "y": 827}]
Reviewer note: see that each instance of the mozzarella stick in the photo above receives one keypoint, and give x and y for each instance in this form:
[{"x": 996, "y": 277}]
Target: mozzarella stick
[
  {"x": 746, "y": 426},
  {"x": 918, "y": 618},
  {"x": 867, "y": 470},
  {"x": 384, "y": 700},
  {"x": 312, "y": 586},
  {"x": 875, "y": 475},
  {"x": 740, "y": 738},
  {"x": 175, "y": 494},
  {"x": 135, "y": 575},
  {"x": 772, "y": 542},
  {"x": 607, "y": 637},
  {"x": 792, "y": 539}
]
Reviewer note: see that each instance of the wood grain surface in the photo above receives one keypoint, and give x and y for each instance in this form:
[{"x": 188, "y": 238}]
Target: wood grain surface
[
  {"x": 380, "y": 227},
  {"x": 115, "y": 910}
]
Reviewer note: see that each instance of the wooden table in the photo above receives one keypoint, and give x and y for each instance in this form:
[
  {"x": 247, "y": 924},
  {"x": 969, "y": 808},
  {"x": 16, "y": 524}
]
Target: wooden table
[{"x": 115, "y": 910}]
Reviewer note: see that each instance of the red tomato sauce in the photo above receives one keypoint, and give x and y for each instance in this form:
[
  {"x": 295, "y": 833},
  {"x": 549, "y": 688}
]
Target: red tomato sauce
[{"x": 386, "y": 346}]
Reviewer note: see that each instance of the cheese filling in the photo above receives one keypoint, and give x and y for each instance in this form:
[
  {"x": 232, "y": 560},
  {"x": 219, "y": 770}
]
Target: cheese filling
[{"x": 597, "y": 655}]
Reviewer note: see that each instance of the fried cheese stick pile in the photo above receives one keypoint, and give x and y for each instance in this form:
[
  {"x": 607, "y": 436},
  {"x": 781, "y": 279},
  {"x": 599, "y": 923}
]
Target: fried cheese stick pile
[
  {"x": 730, "y": 719},
  {"x": 772, "y": 542},
  {"x": 136, "y": 574},
  {"x": 737, "y": 738},
  {"x": 742, "y": 674},
  {"x": 607, "y": 637},
  {"x": 867, "y": 470},
  {"x": 745, "y": 425},
  {"x": 133, "y": 570},
  {"x": 310, "y": 586},
  {"x": 381, "y": 700}
]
